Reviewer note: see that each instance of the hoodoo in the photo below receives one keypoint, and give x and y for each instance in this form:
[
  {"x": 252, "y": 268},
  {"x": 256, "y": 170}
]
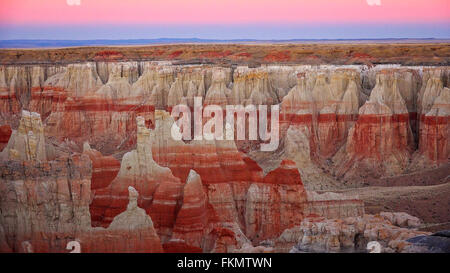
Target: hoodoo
[{"x": 94, "y": 142}]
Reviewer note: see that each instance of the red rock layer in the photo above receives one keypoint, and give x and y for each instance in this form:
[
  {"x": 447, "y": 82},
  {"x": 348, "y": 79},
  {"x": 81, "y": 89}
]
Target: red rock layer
[
  {"x": 324, "y": 104},
  {"x": 5, "y": 133},
  {"x": 231, "y": 178},
  {"x": 377, "y": 135},
  {"x": 104, "y": 168},
  {"x": 8, "y": 103},
  {"x": 286, "y": 173},
  {"x": 110, "y": 124},
  {"x": 381, "y": 142},
  {"x": 165, "y": 206},
  {"x": 231, "y": 191},
  {"x": 91, "y": 241},
  {"x": 46, "y": 205},
  {"x": 434, "y": 110},
  {"x": 159, "y": 195},
  {"x": 159, "y": 190},
  {"x": 335, "y": 209},
  {"x": 192, "y": 219},
  {"x": 233, "y": 198},
  {"x": 180, "y": 247},
  {"x": 47, "y": 99},
  {"x": 333, "y": 130},
  {"x": 434, "y": 139},
  {"x": 214, "y": 164}
]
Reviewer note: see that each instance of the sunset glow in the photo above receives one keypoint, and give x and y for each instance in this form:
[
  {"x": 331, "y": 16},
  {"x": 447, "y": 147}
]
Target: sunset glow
[{"x": 221, "y": 11}]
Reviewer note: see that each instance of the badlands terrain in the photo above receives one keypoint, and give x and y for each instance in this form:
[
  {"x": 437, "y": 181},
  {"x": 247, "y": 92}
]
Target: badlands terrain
[{"x": 87, "y": 153}]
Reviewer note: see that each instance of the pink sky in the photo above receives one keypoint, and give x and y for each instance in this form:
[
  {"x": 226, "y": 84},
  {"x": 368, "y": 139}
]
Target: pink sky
[{"x": 221, "y": 11}]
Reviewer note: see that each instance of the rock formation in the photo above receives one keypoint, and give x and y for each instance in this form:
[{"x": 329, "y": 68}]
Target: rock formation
[
  {"x": 382, "y": 139},
  {"x": 253, "y": 86},
  {"x": 231, "y": 190},
  {"x": 192, "y": 218},
  {"x": 352, "y": 234},
  {"x": 5, "y": 134},
  {"x": 327, "y": 103},
  {"x": 337, "y": 124},
  {"x": 45, "y": 204},
  {"x": 433, "y": 110},
  {"x": 333, "y": 205},
  {"x": 104, "y": 168},
  {"x": 218, "y": 92},
  {"x": 27, "y": 143},
  {"x": 158, "y": 188},
  {"x": 99, "y": 102}
]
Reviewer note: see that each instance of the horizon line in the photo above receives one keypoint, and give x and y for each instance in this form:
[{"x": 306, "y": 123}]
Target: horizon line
[{"x": 233, "y": 39}]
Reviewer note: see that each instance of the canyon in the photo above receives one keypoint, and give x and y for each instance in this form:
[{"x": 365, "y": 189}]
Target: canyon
[{"x": 87, "y": 155}]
